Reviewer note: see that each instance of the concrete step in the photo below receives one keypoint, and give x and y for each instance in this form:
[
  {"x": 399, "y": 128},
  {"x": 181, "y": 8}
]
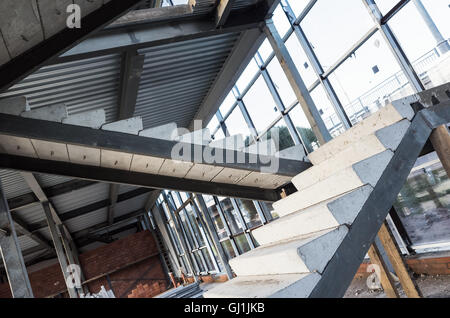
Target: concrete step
[
  {"x": 364, "y": 172},
  {"x": 266, "y": 286},
  {"x": 92, "y": 119},
  {"x": 328, "y": 214},
  {"x": 301, "y": 254},
  {"x": 368, "y": 146},
  {"x": 165, "y": 132},
  {"x": 388, "y": 115},
  {"x": 14, "y": 105},
  {"x": 127, "y": 126},
  {"x": 235, "y": 142},
  {"x": 56, "y": 112},
  {"x": 198, "y": 137}
]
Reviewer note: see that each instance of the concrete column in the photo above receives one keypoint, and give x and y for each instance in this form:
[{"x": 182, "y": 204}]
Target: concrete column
[
  {"x": 59, "y": 248},
  {"x": 11, "y": 253},
  {"x": 442, "y": 43}
]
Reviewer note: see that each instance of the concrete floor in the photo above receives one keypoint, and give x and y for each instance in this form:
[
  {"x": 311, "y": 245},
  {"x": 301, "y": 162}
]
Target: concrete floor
[{"x": 430, "y": 287}]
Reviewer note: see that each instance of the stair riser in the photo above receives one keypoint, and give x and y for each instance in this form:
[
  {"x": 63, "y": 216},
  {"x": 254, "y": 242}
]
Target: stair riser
[
  {"x": 365, "y": 172},
  {"x": 385, "y": 139},
  {"x": 295, "y": 256},
  {"x": 387, "y": 116},
  {"x": 329, "y": 214}
]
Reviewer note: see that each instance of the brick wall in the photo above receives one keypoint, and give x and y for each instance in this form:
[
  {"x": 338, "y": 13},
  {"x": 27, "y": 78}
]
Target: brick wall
[{"x": 113, "y": 259}]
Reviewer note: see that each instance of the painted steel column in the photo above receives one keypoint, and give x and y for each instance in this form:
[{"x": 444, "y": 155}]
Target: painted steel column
[
  {"x": 317, "y": 67},
  {"x": 297, "y": 84},
  {"x": 213, "y": 234},
  {"x": 11, "y": 253},
  {"x": 395, "y": 47},
  {"x": 59, "y": 248},
  {"x": 442, "y": 43}
]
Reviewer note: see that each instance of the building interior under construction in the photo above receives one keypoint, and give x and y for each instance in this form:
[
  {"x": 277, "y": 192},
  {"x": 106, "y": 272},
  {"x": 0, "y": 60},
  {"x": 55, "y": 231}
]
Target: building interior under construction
[{"x": 348, "y": 99}]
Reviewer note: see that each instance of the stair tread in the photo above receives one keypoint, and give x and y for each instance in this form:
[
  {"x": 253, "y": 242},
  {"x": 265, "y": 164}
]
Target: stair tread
[
  {"x": 366, "y": 147},
  {"x": 301, "y": 254},
  {"x": 266, "y": 286},
  {"x": 364, "y": 172},
  {"x": 388, "y": 115},
  {"x": 338, "y": 210}
]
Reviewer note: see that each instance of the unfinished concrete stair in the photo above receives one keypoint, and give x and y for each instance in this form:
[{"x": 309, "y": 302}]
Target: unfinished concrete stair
[{"x": 296, "y": 249}]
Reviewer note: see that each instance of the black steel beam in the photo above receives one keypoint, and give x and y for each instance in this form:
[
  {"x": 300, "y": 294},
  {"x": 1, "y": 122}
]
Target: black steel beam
[
  {"x": 136, "y": 178},
  {"x": 90, "y": 208},
  {"x": 27, "y": 199},
  {"x": 116, "y": 141},
  {"x": 105, "y": 238},
  {"x": 26, "y": 63},
  {"x": 130, "y": 77}
]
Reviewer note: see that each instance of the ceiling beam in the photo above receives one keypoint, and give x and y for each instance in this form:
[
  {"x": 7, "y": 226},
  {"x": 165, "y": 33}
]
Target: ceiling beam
[
  {"x": 223, "y": 10},
  {"x": 131, "y": 144},
  {"x": 29, "y": 61},
  {"x": 64, "y": 217},
  {"x": 29, "y": 199},
  {"x": 137, "y": 178},
  {"x": 34, "y": 185},
  {"x": 157, "y": 33},
  {"x": 130, "y": 77}
]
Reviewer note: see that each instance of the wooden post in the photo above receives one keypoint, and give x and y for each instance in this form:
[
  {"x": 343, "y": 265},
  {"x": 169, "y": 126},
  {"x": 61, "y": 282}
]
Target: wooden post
[
  {"x": 440, "y": 138},
  {"x": 385, "y": 277},
  {"x": 397, "y": 262}
]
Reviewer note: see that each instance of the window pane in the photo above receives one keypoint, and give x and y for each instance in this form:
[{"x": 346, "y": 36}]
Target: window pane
[
  {"x": 218, "y": 224},
  {"x": 386, "y": 5},
  {"x": 249, "y": 213},
  {"x": 346, "y": 23},
  {"x": 280, "y": 135},
  {"x": 248, "y": 74},
  {"x": 236, "y": 124},
  {"x": 419, "y": 44},
  {"x": 298, "y": 5},
  {"x": 228, "y": 249},
  {"x": 265, "y": 50},
  {"x": 424, "y": 202},
  {"x": 326, "y": 110},
  {"x": 369, "y": 79},
  {"x": 242, "y": 243},
  {"x": 227, "y": 104},
  {"x": 281, "y": 82},
  {"x": 303, "y": 128},
  {"x": 260, "y": 105},
  {"x": 301, "y": 61},
  {"x": 280, "y": 21},
  {"x": 231, "y": 216}
]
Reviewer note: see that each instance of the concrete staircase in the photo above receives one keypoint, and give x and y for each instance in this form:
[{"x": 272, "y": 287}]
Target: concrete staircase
[{"x": 315, "y": 224}]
